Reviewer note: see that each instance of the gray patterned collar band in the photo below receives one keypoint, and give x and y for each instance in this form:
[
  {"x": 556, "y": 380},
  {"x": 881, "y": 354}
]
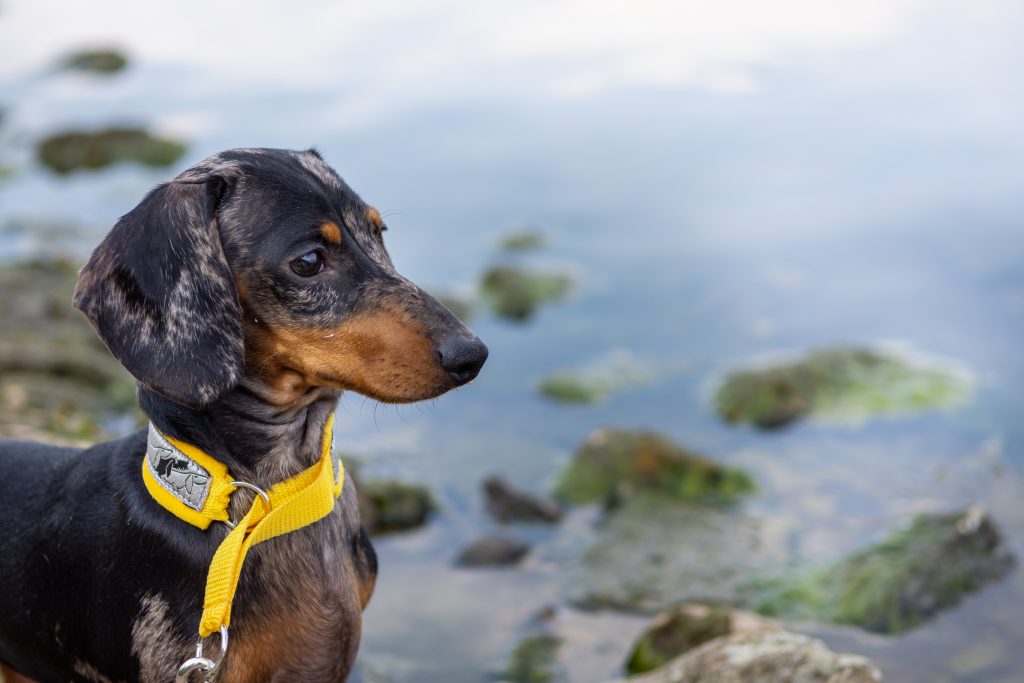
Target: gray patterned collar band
[{"x": 180, "y": 475}]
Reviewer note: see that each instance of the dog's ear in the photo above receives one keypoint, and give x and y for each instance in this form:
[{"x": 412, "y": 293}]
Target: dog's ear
[{"x": 160, "y": 294}]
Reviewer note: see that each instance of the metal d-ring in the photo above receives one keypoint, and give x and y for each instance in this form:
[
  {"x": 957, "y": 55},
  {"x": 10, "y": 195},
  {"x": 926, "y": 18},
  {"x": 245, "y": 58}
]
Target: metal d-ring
[
  {"x": 251, "y": 487},
  {"x": 204, "y": 665}
]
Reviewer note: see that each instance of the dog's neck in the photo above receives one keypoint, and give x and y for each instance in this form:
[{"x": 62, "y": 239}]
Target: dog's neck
[{"x": 260, "y": 441}]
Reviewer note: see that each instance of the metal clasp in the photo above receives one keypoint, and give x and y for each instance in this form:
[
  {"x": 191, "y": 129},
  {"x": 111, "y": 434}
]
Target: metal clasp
[
  {"x": 204, "y": 665},
  {"x": 251, "y": 487}
]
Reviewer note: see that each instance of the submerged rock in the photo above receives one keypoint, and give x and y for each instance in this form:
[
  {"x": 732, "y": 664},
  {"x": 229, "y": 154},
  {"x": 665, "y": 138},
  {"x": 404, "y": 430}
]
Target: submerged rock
[
  {"x": 896, "y": 585},
  {"x": 616, "y": 463},
  {"x": 651, "y": 552},
  {"x": 63, "y": 153},
  {"x": 534, "y": 660},
  {"x": 492, "y": 551},
  {"x": 684, "y": 627},
  {"x": 104, "y": 61},
  {"x": 56, "y": 377},
  {"x": 508, "y": 504},
  {"x": 763, "y": 657},
  {"x": 515, "y": 293},
  {"x": 390, "y": 506},
  {"x": 844, "y": 384}
]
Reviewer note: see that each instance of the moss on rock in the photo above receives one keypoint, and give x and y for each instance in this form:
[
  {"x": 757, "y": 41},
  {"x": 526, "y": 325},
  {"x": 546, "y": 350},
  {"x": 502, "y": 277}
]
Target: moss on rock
[
  {"x": 65, "y": 152},
  {"x": 901, "y": 582},
  {"x": 763, "y": 657},
  {"x": 523, "y": 240},
  {"x": 566, "y": 387},
  {"x": 103, "y": 61},
  {"x": 845, "y": 384},
  {"x": 613, "y": 463},
  {"x": 515, "y": 293},
  {"x": 597, "y": 381},
  {"x": 684, "y": 627},
  {"x": 533, "y": 660},
  {"x": 389, "y": 506},
  {"x": 56, "y": 377}
]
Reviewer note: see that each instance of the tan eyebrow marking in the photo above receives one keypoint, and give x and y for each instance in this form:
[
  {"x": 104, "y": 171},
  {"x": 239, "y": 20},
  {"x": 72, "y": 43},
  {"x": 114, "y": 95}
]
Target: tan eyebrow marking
[
  {"x": 331, "y": 232},
  {"x": 373, "y": 215}
]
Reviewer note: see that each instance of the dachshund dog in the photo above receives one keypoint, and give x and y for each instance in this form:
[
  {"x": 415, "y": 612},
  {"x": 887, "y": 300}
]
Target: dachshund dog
[{"x": 244, "y": 296}]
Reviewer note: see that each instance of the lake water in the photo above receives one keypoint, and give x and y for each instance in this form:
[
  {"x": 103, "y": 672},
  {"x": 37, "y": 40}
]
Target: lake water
[{"x": 722, "y": 184}]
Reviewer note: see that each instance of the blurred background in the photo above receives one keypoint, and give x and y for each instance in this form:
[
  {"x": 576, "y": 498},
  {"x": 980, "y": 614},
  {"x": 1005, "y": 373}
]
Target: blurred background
[{"x": 783, "y": 236}]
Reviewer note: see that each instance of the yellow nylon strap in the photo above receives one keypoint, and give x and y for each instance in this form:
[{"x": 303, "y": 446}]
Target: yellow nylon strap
[{"x": 294, "y": 503}]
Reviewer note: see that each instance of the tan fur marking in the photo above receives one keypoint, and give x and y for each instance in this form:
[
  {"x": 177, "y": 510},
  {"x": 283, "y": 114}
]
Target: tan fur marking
[
  {"x": 331, "y": 232},
  {"x": 282, "y": 646},
  {"x": 8, "y": 675},
  {"x": 383, "y": 355},
  {"x": 373, "y": 215},
  {"x": 366, "y": 587}
]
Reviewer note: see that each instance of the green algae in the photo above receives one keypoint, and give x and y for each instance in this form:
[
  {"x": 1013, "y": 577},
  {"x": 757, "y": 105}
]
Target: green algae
[
  {"x": 75, "y": 150},
  {"x": 533, "y": 660},
  {"x": 596, "y": 382},
  {"x": 613, "y": 463},
  {"x": 843, "y": 384},
  {"x": 898, "y": 584},
  {"x": 102, "y": 61},
  {"x": 524, "y": 240},
  {"x": 676, "y": 632},
  {"x": 516, "y": 293}
]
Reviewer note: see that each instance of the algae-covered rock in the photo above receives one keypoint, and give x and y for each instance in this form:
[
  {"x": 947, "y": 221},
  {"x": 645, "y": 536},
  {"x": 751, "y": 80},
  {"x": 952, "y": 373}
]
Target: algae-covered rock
[
  {"x": 524, "y": 240},
  {"x": 493, "y": 551},
  {"x": 56, "y": 377},
  {"x": 65, "y": 152},
  {"x": 515, "y": 293},
  {"x": 505, "y": 503},
  {"x": 845, "y": 384},
  {"x": 103, "y": 61},
  {"x": 896, "y": 585},
  {"x": 763, "y": 657},
  {"x": 596, "y": 382},
  {"x": 534, "y": 660},
  {"x": 684, "y": 627},
  {"x": 389, "y": 506},
  {"x": 651, "y": 551},
  {"x": 613, "y": 463},
  {"x": 395, "y": 506}
]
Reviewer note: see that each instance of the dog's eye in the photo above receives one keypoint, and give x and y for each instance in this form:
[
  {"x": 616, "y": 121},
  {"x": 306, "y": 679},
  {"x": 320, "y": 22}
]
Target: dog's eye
[{"x": 308, "y": 265}]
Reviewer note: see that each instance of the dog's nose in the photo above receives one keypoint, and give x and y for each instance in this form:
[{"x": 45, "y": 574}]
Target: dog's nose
[{"x": 462, "y": 357}]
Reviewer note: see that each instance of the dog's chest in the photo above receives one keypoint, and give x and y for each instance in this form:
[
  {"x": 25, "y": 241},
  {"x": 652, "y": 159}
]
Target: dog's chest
[{"x": 296, "y": 616}]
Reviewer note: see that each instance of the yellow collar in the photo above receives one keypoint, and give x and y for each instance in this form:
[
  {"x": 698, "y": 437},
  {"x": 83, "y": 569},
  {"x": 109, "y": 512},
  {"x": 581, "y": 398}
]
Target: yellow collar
[{"x": 197, "y": 489}]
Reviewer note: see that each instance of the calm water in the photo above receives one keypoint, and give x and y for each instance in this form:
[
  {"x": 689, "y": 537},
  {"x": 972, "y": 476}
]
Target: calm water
[{"x": 785, "y": 180}]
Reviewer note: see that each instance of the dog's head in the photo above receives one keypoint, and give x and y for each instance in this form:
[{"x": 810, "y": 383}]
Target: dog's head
[{"x": 264, "y": 263}]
